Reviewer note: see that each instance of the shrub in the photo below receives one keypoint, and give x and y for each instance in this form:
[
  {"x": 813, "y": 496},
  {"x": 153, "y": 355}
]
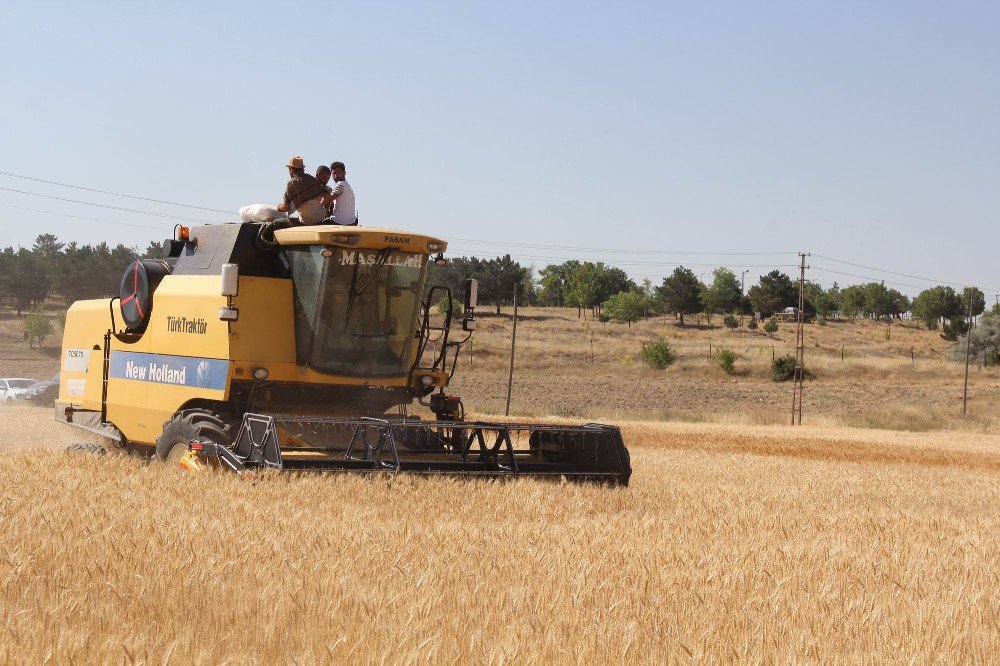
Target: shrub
[
  {"x": 604, "y": 318},
  {"x": 783, "y": 368},
  {"x": 731, "y": 322},
  {"x": 771, "y": 326},
  {"x": 821, "y": 321},
  {"x": 752, "y": 324},
  {"x": 658, "y": 354},
  {"x": 442, "y": 307},
  {"x": 953, "y": 330},
  {"x": 37, "y": 327},
  {"x": 726, "y": 358}
]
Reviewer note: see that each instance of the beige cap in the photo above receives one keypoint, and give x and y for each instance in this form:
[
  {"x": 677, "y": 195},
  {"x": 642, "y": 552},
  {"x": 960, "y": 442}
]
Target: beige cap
[{"x": 296, "y": 163}]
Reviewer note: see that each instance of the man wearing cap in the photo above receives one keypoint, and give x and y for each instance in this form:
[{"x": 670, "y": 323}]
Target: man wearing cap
[
  {"x": 303, "y": 194},
  {"x": 340, "y": 200}
]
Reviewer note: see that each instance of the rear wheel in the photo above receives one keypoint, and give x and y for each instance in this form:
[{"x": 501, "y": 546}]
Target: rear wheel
[{"x": 186, "y": 426}]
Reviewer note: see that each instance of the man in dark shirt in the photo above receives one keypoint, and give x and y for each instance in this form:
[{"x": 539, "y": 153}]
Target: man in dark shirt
[
  {"x": 303, "y": 194},
  {"x": 323, "y": 175}
]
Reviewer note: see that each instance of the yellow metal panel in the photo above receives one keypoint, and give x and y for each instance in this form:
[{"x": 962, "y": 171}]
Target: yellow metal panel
[
  {"x": 185, "y": 317},
  {"x": 81, "y": 367},
  {"x": 140, "y": 408},
  {"x": 265, "y": 331},
  {"x": 360, "y": 237}
]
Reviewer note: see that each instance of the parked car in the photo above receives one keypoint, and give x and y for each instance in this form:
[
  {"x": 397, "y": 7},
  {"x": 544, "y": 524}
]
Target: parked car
[
  {"x": 44, "y": 392},
  {"x": 10, "y": 388}
]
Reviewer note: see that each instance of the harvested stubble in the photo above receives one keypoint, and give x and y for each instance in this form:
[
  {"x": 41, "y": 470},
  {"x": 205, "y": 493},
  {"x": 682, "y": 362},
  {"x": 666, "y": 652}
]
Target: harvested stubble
[{"x": 731, "y": 544}]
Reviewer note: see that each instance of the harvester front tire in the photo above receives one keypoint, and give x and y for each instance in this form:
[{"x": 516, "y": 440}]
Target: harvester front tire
[{"x": 188, "y": 425}]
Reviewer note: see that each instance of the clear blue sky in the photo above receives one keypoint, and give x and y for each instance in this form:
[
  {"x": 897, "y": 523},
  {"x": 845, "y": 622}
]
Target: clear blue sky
[{"x": 868, "y": 132}]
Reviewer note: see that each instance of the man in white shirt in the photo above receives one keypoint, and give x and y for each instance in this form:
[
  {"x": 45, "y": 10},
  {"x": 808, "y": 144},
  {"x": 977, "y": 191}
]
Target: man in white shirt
[{"x": 340, "y": 200}]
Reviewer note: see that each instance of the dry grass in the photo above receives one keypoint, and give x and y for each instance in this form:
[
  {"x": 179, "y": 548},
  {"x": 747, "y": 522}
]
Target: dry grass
[
  {"x": 732, "y": 543},
  {"x": 584, "y": 369}
]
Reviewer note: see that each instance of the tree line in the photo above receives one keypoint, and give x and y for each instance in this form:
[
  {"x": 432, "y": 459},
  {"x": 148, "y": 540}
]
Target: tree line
[
  {"x": 608, "y": 293},
  {"x": 69, "y": 270},
  {"x": 73, "y": 271}
]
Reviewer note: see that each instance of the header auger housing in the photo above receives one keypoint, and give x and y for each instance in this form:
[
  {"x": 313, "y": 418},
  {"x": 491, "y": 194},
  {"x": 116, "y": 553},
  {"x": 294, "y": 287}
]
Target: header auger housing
[{"x": 298, "y": 348}]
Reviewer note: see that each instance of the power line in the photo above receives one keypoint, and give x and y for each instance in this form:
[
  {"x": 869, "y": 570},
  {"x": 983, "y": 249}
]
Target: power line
[
  {"x": 88, "y": 203},
  {"x": 616, "y": 251},
  {"x": 116, "y": 194},
  {"x": 895, "y": 282},
  {"x": 473, "y": 241},
  {"x": 883, "y": 270},
  {"x": 636, "y": 263},
  {"x": 80, "y": 217}
]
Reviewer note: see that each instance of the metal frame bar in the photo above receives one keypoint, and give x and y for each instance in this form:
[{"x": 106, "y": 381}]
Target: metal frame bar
[{"x": 588, "y": 452}]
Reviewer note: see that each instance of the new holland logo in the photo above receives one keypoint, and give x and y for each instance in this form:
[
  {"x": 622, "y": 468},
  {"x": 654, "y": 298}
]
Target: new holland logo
[
  {"x": 185, "y": 325},
  {"x": 204, "y": 374}
]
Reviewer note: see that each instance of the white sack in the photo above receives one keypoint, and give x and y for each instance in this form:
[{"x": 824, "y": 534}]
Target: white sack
[{"x": 261, "y": 213}]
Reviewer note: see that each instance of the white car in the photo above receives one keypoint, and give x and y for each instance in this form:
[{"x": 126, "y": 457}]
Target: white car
[{"x": 13, "y": 387}]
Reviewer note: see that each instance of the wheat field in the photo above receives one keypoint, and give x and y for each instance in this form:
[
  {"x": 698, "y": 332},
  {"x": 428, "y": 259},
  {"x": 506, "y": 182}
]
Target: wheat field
[{"x": 731, "y": 544}]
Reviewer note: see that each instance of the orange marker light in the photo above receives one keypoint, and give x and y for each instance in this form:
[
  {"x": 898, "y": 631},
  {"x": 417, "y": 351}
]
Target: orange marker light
[{"x": 183, "y": 233}]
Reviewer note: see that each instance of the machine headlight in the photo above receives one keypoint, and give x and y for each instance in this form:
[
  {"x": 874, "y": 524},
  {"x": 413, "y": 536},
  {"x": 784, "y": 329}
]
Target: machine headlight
[
  {"x": 427, "y": 380},
  {"x": 260, "y": 374},
  {"x": 434, "y": 246}
]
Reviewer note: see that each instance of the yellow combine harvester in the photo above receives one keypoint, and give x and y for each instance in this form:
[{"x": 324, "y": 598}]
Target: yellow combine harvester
[{"x": 298, "y": 348}]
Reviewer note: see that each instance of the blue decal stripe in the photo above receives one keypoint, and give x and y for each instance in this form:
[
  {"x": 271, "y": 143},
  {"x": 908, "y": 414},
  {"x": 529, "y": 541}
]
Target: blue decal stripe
[{"x": 207, "y": 373}]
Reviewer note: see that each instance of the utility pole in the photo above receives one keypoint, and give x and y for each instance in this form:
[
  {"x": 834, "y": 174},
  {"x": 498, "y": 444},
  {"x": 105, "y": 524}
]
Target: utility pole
[
  {"x": 968, "y": 350},
  {"x": 743, "y": 280},
  {"x": 513, "y": 341},
  {"x": 800, "y": 346}
]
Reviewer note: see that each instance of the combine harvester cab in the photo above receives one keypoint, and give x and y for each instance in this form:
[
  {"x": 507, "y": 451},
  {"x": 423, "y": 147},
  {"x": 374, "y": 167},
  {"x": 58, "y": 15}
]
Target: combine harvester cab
[{"x": 299, "y": 348}]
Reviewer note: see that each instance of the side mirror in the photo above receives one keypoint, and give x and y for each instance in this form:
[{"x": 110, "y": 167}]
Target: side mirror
[
  {"x": 230, "y": 280},
  {"x": 471, "y": 294}
]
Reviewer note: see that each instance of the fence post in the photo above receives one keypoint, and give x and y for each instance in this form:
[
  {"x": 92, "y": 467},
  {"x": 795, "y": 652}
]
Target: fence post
[
  {"x": 913, "y": 361},
  {"x": 772, "y": 353},
  {"x": 841, "y": 353},
  {"x": 709, "y": 350}
]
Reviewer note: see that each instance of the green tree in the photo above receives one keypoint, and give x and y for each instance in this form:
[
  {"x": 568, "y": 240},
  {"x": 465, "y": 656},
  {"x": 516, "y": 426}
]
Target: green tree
[
  {"x": 23, "y": 278},
  {"x": 826, "y": 302},
  {"x": 771, "y": 327},
  {"x": 552, "y": 282},
  {"x": 935, "y": 304},
  {"x": 589, "y": 284},
  {"x": 723, "y": 295},
  {"x": 731, "y": 322},
  {"x": 680, "y": 293},
  {"x": 984, "y": 341},
  {"x": 37, "y": 327},
  {"x": 774, "y": 292},
  {"x": 47, "y": 246},
  {"x": 726, "y": 358},
  {"x": 626, "y": 306},
  {"x": 876, "y": 301},
  {"x": 852, "y": 301},
  {"x": 899, "y": 303},
  {"x": 658, "y": 353},
  {"x": 978, "y": 299},
  {"x": 154, "y": 251}
]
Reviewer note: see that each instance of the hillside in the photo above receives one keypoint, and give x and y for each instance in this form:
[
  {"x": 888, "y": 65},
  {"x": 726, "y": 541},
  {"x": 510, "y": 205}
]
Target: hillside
[{"x": 570, "y": 366}]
